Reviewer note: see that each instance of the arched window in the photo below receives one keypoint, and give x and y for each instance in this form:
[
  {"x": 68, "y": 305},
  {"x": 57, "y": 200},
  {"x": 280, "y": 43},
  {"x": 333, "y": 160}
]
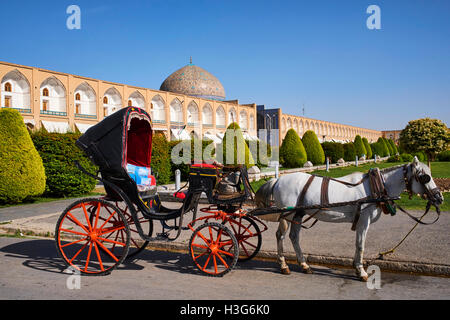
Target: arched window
[
  {"x": 78, "y": 97},
  {"x": 8, "y": 87},
  {"x": 220, "y": 117},
  {"x": 45, "y": 92},
  {"x": 105, "y": 100}
]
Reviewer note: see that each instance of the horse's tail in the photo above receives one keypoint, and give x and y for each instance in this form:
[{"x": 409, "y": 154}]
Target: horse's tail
[{"x": 264, "y": 199}]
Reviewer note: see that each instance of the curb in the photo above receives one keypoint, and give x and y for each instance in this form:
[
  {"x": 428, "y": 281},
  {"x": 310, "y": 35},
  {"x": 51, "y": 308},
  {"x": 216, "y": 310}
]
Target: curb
[
  {"x": 411, "y": 267},
  {"x": 417, "y": 268}
]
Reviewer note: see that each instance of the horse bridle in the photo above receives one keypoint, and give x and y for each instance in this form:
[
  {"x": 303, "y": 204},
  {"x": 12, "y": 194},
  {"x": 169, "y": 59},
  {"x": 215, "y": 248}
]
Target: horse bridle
[{"x": 423, "y": 179}]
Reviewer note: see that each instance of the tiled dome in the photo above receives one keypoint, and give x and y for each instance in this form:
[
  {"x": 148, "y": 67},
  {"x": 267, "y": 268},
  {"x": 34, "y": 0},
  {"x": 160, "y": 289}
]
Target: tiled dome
[{"x": 194, "y": 81}]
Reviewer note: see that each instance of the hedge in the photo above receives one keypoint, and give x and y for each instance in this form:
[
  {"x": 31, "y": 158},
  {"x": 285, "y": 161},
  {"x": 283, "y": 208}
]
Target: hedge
[
  {"x": 349, "y": 151},
  {"x": 368, "y": 148},
  {"x": 359, "y": 146},
  {"x": 292, "y": 151},
  {"x": 313, "y": 148},
  {"x": 58, "y": 152},
  {"x": 444, "y": 156},
  {"x": 333, "y": 150},
  {"x": 160, "y": 163},
  {"x": 22, "y": 174}
]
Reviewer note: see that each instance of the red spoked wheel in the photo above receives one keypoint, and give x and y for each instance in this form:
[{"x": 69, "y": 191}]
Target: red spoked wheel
[
  {"x": 92, "y": 236},
  {"x": 248, "y": 235},
  {"x": 206, "y": 248},
  {"x": 137, "y": 244}
]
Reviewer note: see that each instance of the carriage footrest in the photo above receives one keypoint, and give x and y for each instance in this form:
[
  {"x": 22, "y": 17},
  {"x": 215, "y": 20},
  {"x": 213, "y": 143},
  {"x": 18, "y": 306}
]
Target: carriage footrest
[{"x": 162, "y": 236}]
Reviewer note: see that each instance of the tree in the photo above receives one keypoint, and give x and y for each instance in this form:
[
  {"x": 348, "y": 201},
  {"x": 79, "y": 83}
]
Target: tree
[
  {"x": 428, "y": 135},
  {"x": 292, "y": 151},
  {"x": 22, "y": 174},
  {"x": 313, "y": 148},
  {"x": 359, "y": 146},
  {"x": 368, "y": 148}
]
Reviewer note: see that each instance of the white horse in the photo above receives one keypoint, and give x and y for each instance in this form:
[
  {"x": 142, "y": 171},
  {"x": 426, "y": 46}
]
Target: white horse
[{"x": 285, "y": 191}]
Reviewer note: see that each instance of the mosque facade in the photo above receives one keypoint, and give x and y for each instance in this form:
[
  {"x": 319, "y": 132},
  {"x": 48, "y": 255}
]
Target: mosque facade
[{"x": 190, "y": 101}]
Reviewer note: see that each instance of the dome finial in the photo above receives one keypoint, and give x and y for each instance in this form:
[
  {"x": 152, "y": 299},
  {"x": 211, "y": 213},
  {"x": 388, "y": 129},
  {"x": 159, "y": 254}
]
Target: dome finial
[{"x": 190, "y": 60}]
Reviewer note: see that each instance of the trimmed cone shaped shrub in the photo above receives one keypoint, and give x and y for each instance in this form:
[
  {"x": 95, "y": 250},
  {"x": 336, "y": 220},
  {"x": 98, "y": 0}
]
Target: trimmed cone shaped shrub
[
  {"x": 388, "y": 145},
  {"x": 292, "y": 151},
  {"x": 359, "y": 146},
  {"x": 22, "y": 173},
  {"x": 313, "y": 148},
  {"x": 58, "y": 152},
  {"x": 377, "y": 149},
  {"x": 393, "y": 146},
  {"x": 239, "y": 149},
  {"x": 383, "y": 147},
  {"x": 368, "y": 148}
]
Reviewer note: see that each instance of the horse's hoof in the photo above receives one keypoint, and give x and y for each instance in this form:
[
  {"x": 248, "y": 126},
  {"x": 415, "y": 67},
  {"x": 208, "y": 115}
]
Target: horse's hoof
[
  {"x": 285, "y": 271},
  {"x": 307, "y": 270}
]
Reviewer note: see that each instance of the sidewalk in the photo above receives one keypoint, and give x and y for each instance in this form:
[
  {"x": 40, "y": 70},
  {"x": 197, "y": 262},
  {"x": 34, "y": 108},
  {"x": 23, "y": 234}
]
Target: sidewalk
[{"x": 425, "y": 251}]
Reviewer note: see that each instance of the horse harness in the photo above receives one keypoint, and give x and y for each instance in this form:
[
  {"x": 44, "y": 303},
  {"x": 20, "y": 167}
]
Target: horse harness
[{"x": 378, "y": 195}]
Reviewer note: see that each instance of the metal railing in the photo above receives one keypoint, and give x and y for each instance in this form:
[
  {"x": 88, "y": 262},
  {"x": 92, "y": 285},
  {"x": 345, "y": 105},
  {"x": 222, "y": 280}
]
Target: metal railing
[
  {"x": 54, "y": 113},
  {"x": 86, "y": 116}
]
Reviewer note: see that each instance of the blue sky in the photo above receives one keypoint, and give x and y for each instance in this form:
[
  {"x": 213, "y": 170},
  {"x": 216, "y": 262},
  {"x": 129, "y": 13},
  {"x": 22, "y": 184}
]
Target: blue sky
[{"x": 278, "y": 53}]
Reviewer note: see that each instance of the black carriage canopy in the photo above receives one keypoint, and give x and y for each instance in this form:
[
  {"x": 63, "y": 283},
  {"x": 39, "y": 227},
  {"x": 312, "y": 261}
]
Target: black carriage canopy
[{"x": 124, "y": 137}]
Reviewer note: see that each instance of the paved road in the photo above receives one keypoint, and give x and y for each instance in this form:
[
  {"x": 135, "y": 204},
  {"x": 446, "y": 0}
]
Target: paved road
[{"x": 30, "y": 269}]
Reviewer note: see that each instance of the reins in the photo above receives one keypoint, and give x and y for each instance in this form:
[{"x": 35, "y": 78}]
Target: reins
[{"x": 408, "y": 184}]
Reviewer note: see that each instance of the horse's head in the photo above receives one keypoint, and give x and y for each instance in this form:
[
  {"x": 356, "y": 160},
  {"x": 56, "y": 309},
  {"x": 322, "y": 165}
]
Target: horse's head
[{"x": 419, "y": 181}]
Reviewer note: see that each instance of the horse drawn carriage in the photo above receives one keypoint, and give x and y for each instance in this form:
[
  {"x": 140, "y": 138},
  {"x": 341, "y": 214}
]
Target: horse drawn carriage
[{"x": 95, "y": 235}]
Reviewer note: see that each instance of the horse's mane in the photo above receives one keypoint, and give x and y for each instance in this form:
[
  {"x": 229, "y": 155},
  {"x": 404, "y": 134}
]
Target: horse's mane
[{"x": 385, "y": 170}]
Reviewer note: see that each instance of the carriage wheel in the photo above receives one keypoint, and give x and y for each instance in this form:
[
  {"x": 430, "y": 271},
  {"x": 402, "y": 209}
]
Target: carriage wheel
[
  {"x": 206, "y": 249},
  {"x": 93, "y": 247},
  {"x": 137, "y": 243},
  {"x": 248, "y": 235}
]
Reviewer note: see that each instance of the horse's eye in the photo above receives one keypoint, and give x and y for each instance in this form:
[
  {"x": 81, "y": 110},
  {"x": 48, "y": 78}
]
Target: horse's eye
[{"x": 424, "y": 178}]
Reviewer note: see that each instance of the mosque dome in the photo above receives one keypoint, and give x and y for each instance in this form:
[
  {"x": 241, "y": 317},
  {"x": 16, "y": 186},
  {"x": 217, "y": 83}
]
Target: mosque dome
[{"x": 194, "y": 81}]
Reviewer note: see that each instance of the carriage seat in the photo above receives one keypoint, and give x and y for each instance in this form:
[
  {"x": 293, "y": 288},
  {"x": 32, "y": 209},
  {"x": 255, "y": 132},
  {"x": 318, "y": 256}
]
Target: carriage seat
[{"x": 142, "y": 176}]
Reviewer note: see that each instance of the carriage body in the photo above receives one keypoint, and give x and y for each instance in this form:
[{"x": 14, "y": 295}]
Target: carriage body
[{"x": 120, "y": 224}]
